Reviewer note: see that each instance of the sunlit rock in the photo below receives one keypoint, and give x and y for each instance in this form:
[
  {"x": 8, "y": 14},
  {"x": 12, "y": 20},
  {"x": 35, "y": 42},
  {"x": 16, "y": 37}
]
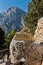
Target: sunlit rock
[{"x": 39, "y": 32}]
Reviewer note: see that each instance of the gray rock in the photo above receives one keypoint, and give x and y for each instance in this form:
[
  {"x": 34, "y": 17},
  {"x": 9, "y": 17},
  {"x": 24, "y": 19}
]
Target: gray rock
[{"x": 12, "y": 19}]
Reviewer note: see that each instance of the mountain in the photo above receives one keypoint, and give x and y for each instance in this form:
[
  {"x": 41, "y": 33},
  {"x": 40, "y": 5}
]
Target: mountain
[{"x": 12, "y": 19}]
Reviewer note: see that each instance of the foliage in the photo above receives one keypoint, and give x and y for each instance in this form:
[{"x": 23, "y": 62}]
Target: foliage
[
  {"x": 35, "y": 11},
  {"x": 8, "y": 38},
  {"x": 2, "y": 35}
]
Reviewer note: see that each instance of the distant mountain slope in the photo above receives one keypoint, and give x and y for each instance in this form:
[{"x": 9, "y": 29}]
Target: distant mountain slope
[{"x": 12, "y": 19}]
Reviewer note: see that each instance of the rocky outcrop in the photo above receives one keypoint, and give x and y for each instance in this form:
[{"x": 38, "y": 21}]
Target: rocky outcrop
[
  {"x": 18, "y": 42},
  {"x": 23, "y": 51},
  {"x": 39, "y": 32},
  {"x": 26, "y": 52}
]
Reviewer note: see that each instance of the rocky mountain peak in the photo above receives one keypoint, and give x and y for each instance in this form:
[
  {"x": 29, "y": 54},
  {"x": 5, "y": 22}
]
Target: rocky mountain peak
[
  {"x": 12, "y": 19},
  {"x": 11, "y": 9}
]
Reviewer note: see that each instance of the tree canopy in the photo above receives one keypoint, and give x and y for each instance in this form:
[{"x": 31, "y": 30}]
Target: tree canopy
[{"x": 35, "y": 11}]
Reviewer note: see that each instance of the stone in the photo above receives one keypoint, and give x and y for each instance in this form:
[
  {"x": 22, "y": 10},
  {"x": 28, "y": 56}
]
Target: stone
[
  {"x": 18, "y": 41},
  {"x": 38, "y": 37},
  {"x": 25, "y": 51}
]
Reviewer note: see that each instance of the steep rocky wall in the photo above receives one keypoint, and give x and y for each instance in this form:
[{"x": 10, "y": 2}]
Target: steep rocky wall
[{"x": 39, "y": 32}]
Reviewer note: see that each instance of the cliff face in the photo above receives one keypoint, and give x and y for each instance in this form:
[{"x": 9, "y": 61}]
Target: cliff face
[
  {"x": 39, "y": 32},
  {"x": 12, "y": 19}
]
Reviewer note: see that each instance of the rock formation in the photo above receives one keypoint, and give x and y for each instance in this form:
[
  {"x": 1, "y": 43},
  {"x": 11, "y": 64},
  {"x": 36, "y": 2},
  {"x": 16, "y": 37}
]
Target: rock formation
[
  {"x": 39, "y": 32},
  {"x": 25, "y": 51},
  {"x": 19, "y": 40}
]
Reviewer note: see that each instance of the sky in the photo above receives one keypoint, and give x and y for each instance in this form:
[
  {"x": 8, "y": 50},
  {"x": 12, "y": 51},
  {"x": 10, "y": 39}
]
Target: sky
[{"x": 22, "y": 4}]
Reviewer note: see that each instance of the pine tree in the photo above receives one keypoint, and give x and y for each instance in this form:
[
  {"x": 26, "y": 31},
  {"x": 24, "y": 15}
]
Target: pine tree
[
  {"x": 8, "y": 38},
  {"x": 35, "y": 11}
]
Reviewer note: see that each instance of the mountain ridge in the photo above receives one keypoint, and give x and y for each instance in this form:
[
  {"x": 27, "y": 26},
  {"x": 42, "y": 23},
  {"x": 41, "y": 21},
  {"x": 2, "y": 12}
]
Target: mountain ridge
[{"x": 12, "y": 19}]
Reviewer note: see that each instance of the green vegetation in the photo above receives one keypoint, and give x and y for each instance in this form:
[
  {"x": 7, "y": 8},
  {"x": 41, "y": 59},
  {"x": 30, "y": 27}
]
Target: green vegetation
[
  {"x": 35, "y": 11},
  {"x": 5, "y": 41},
  {"x": 8, "y": 38}
]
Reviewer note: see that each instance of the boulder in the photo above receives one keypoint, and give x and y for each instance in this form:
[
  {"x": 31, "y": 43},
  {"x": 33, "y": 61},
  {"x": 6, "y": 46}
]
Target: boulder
[{"x": 26, "y": 51}]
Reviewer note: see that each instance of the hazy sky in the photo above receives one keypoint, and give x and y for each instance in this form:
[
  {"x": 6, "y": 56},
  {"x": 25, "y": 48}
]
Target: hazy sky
[{"x": 5, "y": 4}]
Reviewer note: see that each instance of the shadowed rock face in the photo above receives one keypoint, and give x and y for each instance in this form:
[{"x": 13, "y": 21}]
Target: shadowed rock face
[{"x": 41, "y": 49}]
